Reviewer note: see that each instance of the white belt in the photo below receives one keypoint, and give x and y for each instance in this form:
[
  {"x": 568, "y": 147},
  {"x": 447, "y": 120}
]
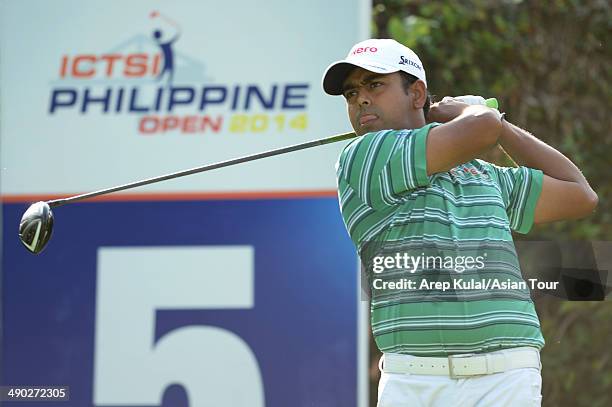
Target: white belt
[{"x": 462, "y": 365}]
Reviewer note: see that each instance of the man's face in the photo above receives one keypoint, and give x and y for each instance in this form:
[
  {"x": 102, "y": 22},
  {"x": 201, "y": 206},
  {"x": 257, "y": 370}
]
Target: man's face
[{"x": 376, "y": 101}]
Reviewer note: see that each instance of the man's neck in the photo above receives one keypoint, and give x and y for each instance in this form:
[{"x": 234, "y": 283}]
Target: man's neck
[{"x": 416, "y": 120}]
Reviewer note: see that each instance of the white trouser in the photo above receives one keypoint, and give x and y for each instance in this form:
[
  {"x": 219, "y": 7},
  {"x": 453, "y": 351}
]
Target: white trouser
[{"x": 517, "y": 387}]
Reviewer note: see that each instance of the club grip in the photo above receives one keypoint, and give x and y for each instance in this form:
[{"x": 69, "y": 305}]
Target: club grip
[
  {"x": 491, "y": 102},
  {"x": 478, "y": 100}
]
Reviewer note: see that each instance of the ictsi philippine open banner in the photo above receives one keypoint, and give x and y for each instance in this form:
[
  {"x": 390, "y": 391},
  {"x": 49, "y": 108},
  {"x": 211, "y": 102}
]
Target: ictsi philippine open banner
[{"x": 237, "y": 287}]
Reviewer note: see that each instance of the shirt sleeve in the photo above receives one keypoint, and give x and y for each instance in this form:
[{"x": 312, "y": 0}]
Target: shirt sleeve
[
  {"x": 521, "y": 188},
  {"x": 384, "y": 166}
]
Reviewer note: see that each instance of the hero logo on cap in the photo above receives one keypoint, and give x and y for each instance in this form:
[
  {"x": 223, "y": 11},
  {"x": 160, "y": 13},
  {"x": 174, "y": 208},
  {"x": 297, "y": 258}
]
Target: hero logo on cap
[
  {"x": 376, "y": 55},
  {"x": 361, "y": 49}
]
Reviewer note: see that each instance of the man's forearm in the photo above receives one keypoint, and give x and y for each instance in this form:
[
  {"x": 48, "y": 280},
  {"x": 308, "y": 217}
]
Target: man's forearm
[
  {"x": 526, "y": 150},
  {"x": 467, "y": 132},
  {"x": 565, "y": 194}
]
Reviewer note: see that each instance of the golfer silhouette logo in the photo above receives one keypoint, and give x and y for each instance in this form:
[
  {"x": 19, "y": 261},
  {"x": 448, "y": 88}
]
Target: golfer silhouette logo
[{"x": 165, "y": 45}]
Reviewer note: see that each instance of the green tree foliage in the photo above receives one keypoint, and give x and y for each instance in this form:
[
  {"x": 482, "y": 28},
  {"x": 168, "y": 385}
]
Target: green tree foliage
[{"x": 549, "y": 64}]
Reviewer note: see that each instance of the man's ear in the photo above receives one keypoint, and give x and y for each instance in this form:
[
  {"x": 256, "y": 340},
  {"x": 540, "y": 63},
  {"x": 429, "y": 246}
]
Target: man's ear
[{"x": 418, "y": 91}]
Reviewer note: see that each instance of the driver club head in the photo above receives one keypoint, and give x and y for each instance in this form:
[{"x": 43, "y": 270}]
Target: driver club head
[{"x": 36, "y": 227}]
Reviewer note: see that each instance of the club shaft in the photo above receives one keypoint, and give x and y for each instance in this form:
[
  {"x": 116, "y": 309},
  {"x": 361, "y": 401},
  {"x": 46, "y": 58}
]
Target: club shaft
[{"x": 253, "y": 157}]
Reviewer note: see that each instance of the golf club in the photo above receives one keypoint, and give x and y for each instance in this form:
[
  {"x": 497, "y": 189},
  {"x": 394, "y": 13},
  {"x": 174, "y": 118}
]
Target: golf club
[{"x": 36, "y": 224}]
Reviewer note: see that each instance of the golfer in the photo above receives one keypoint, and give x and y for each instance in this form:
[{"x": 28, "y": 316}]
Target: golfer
[{"x": 411, "y": 183}]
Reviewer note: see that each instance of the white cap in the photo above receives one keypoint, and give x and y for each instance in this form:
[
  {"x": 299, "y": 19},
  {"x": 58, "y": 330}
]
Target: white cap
[{"x": 376, "y": 55}]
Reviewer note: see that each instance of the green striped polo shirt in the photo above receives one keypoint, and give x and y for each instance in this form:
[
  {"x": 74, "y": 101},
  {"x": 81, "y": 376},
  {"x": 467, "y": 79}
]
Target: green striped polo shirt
[{"x": 392, "y": 209}]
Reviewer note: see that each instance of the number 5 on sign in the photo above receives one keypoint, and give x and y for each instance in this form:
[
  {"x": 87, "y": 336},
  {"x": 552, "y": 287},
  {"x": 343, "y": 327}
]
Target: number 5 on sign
[{"x": 214, "y": 366}]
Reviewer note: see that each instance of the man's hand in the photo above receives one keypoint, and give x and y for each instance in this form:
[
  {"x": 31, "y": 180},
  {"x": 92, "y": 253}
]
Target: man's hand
[{"x": 445, "y": 110}]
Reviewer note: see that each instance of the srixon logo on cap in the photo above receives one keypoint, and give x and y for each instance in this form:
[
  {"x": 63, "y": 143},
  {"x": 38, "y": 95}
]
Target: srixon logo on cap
[
  {"x": 361, "y": 50},
  {"x": 406, "y": 61}
]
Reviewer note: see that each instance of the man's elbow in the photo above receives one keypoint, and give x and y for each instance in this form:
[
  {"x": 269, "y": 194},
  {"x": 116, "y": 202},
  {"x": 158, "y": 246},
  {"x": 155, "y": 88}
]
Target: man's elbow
[
  {"x": 592, "y": 200},
  {"x": 589, "y": 203}
]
